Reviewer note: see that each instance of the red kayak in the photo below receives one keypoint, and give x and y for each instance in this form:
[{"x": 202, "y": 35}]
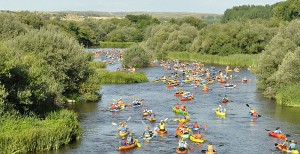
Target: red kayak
[
  {"x": 281, "y": 136},
  {"x": 225, "y": 100},
  {"x": 179, "y": 151},
  {"x": 186, "y": 98}
]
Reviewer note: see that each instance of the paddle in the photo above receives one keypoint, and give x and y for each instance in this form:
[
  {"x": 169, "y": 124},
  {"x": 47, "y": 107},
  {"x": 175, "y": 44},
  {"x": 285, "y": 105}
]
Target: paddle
[{"x": 113, "y": 123}]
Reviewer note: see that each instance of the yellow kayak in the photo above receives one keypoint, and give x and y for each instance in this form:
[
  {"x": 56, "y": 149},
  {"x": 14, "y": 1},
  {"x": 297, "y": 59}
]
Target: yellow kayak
[
  {"x": 152, "y": 119},
  {"x": 181, "y": 120},
  {"x": 219, "y": 113},
  {"x": 192, "y": 138}
]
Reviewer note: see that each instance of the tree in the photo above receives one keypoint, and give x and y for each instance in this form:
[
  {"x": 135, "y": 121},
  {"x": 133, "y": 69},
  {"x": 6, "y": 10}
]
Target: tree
[{"x": 136, "y": 56}]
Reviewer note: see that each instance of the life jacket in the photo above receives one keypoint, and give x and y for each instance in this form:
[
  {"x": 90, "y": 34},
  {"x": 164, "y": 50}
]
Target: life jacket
[
  {"x": 196, "y": 125},
  {"x": 161, "y": 126},
  {"x": 199, "y": 136},
  {"x": 210, "y": 148},
  {"x": 292, "y": 146},
  {"x": 181, "y": 145},
  {"x": 177, "y": 107},
  {"x": 254, "y": 114},
  {"x": 183, "y": 109}
]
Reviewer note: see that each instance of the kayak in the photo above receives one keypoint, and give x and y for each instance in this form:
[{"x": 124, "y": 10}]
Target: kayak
[
  {"x": 186, "y": 98},
  {"x": 162, "y": 131},
  {"x": 214, "y": 152},
  {"x": 177, "y": 94},
  {"x": 284, "y": 149},
  {"x": 182, "y": 120},
  {"x": 230, "y": 86},
  {"x": 128, "y": 147},
  {"x": 136, "y": 105},
  {"x": 181, "y": 151},
  {"x": 205, "y": 89},
  {"x": 195, "y": 129},
  {"x": 145, "y": 114},
  {"x": 280, "y": 136},
  {"x": 148, "y": 137},
  {"x": 114, "y": 110},
  {"x": 225, "y": 100},
  {"x": 179, "y": 111},
  {"x": 123, "y": 134},
  {"x": 192, "y": 138},
  {"x": 217, "y": 111},
  {"x": 185, "y": 136},
  {"x": 152, "y": 119}
]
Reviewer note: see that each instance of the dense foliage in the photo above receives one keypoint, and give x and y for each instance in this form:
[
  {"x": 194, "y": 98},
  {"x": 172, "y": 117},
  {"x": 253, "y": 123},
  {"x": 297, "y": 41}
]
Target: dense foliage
[
  {"x": 279, "y": 63},
  {"x": 246, "y": 12},
  {"x": 287, "y": 10}
]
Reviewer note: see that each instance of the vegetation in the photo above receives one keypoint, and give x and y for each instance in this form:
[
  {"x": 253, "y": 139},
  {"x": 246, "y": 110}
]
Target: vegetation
[
  {"x": 246, "y": 12},
  {"x": 29, "y": 134},
  {"x": 232, "y": 60},
  {"x": 278, "y": 64},
  {"x": 108, "y": 77}
]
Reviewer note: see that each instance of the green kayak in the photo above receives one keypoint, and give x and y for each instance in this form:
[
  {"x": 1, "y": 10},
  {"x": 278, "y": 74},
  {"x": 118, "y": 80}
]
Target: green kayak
[{"x": 179, "y": 111}]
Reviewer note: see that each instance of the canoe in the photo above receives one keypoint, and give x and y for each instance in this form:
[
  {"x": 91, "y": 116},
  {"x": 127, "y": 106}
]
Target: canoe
[
  {"x": 225, "y": 100},
  {"x": 179, "y": 151},
  {"x": 152, "y": 119},
  {"x": 123, "y": 134},
  {"x": 280, "y": 136},
  {"x": 284, "y": 149},
  {"x": 192, "y": 138},
  {"x": 180, "y": 111},
  {"x": 220, "y": 113},
  {"x": 128, "y": 147},
  {"x": 162, "y": 131},
  {"x": 186, "y": 98}
]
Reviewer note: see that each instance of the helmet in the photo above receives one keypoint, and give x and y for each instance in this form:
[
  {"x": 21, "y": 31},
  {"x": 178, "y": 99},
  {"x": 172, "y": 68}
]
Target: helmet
[
  {"x": 292, "y": 141},
  {"x": 120, "y": 99}
]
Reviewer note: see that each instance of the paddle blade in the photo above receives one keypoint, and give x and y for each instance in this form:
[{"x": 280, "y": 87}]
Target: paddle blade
[
  {"x": 166, "y": 119},
  {"x": 267, "y": 130},
  {"x": 143, "y": 122},
  {"x": 176, "y": 120},
  {"x": 276, "y": 144},
  {"x": 287, "y": 135},
  {"x": 114, "y": 124},
  {"x": 128, "y": 118},
  {"x": 114, "y": 100},
  {"x": 247, "y": 105},
  {"x": 277, "y": 127},
  {"x": 258, "y": 115}
]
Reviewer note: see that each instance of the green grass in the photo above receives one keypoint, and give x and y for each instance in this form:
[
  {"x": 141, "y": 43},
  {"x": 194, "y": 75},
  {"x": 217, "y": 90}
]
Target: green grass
[
  {"x": 115, "y": 44},
  {"x": 20, "y": 134},
  {"x": 243, "y": 60},
  {"x": 96, "y": 65},
  {"x": 289, "y": 95},
  {"x": 108, "y": 77}
]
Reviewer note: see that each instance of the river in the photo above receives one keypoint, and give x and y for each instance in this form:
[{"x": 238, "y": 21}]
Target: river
[{"x": 237, "y": 133}]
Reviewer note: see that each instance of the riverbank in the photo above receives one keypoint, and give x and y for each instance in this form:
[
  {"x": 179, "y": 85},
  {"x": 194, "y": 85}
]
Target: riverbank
[
  {"x": 20, "y": 134},
  {"x": 243, "y": 60},
  {"x": 108, "y": 77},
  {"x": 103, "y": 44}
]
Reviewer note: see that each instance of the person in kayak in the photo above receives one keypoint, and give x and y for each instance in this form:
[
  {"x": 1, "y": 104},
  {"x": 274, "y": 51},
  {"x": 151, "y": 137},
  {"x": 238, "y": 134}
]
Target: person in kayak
[
  {"x": 152, "y": 115},
  {"x": 292, "y": 145},
  {"x": 162, "y": 125},
  {"x": 183, "y": 108},
  {"x": 277, "y": 131},
  {"x": 123, "y": 127},
  {"x": 253, "y": 112},
  {"x": 177, "y": 106},
  {"x": 196, "y": 125},
  {"x": 210, "y": 148},
  {"x": 124, "y": 142},
  {"x": 113, "y": 106},
  {"x": 198, "y": 135},
  {"x": 130, "y": 139},
  {"x": 182, "y": 145},
  {"x": 148, "y": 132},
  {"x": 225, "y": 97}
]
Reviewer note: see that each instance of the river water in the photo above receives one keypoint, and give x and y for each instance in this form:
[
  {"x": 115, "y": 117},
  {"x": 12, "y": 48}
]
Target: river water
[{"x": 236, "y": 134}]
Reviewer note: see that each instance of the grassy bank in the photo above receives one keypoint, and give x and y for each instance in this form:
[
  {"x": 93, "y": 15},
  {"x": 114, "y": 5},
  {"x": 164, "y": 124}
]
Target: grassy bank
[
  {"x": 115, "y": 44},
  {"x": 29, "y": 134},
  {"x": 289, "y": 95},
  {"x": 121, "y": 77},
  {"x": 243, "y": 60}
]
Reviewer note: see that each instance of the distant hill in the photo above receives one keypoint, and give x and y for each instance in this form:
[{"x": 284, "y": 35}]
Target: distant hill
[{"x": 159, "y": 15}]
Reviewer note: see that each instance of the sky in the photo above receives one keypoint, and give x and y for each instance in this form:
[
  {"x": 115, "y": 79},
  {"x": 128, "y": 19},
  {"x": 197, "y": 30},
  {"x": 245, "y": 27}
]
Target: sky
[{"x": 198, "y": 6}]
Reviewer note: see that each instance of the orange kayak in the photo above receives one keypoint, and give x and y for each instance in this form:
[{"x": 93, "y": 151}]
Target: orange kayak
[
  {"x": 186, "y": 98},
  {"x": 127, "y": 147},
  {"x": 280, "y": 136},
  {"x": 179, "y": 151},
  {"x": 162, "y": 131}
]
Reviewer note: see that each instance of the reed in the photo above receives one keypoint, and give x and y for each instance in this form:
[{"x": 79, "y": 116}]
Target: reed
[
  {"x": 289, "y": 95},
  {"x": 95, "y": 64},
  {"x": 243, "y": 60},
  {"x": 19, "y": 134},
  {"x": 108, "y": 77}
]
